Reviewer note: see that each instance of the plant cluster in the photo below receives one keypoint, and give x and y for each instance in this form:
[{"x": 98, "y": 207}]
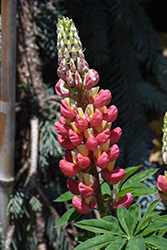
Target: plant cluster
[{"x": 91, "y": 153}]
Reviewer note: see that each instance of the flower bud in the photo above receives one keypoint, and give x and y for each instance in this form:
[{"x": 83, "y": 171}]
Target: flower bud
[
  {"x": 78, "y": 79},
  {"x": 62, "y": 89},
  {"x": 162, "y": 182},
  {"x": 70, "y": 78}
]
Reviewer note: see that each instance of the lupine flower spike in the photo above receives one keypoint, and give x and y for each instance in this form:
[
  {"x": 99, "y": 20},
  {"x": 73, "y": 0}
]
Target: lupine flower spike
[
  {"x": 162, "y": 179},
  {"x": 84, "y": 127}
]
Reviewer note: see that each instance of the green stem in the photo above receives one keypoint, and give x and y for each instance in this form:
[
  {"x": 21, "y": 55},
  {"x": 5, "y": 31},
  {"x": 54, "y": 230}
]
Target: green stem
[{"x": 98, "y": 192}]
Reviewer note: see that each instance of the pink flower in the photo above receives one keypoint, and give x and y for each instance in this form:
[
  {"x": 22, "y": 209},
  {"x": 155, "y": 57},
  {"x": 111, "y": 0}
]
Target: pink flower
[
  {"x": 82, "y": 161},
  {"x": 92, "y": 201},
  {"x": 116, "y": 175},
  {"x": 125, "y": 201},
  {"x": 68, "y": 156},
  {"x": 110, "y": 114},
  {"x": 102, "y": 99},
  {"x": 103, "y": 137},
  {"x": 85, "y": 191},
  {"x": 91, "y": 78},
  {"x": 65, "y": 142},
  {"x": 163, "y": 198},
  {"x": 68, "y": 168},
  {"x": 115, "y": 135},
  {"x": 62, "y": 89},
  {"x": 72, "y": 65},
  {"x": 81, "y": 123},
  {"x": 66, "y": 111},
  {"x": 72, "y": 186},
  {"x": 62, "y": 129},
  {"x": 62, "y": 120},
  {"x": 70, "y": 78},
  {"x": 91, "y": 143},
  {"x": 97, "y": 118},
  {"x": 162, "y": 183},
  {"x": 75, "y": 138},
  {"x": 78, "y": 79},
  {"x": 61, "y": 74},
  {"x": 80, "y": 205},
  {"x": 102, "y": 161},
  {"x": 113, "y": 152}
]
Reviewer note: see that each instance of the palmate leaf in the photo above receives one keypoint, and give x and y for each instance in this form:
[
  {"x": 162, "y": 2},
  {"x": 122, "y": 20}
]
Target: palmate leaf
[
  {"x": 96, "y": 242},
  {"x": 133, "y": 217},
  {"x": 136, "y": 243},
  {"x": 154, "y": 227},
  {"x": 101, "y": 226},
  {"x": 122, "y": 217},
  {"x": 144, "y": 220},
  {"x": 116, "y": 245},
  {"x": 156, "y": 241}
]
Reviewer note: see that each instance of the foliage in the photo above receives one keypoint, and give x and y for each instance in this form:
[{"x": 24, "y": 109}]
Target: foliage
[
  {"x": 131, "y": 183},
  {"x": 129, "y": 231}
]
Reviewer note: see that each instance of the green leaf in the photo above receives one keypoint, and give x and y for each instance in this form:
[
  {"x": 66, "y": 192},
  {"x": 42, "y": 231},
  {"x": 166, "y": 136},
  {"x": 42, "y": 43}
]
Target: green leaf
[
  {"x": 144, "y": 220},
  {"x": 129, "y": 171},
  {"x": 94, "y": 243},
  {"x": 159, "y": 242},
  {"x": 116, "y": 245},
  {"x": 162, "y": 232},
  {"x": 139, "y": 177},
  {"x": 152, "y": 206},
  {"x": 144, "y": 191},
  {"x": 132, "y": 217},
  {"x": 100, "y": 226},
  {"x": 161, "y": 218},
  {"x": 80, "y": 239},
  {"x": 153, "y": 227},
  {"x": 122, "y": 217},
  {"x": 136, "y": 243},
  {"x": 69, "y": 216},
  {"x": 129, "y": 189},
  {"x": 105, "y": 188},
  {"x": 65, "y": 197},
  {"x": 115, "y": 225}
]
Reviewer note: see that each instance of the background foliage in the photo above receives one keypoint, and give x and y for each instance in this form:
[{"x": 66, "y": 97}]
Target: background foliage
[{"x": 123, "y": 46}]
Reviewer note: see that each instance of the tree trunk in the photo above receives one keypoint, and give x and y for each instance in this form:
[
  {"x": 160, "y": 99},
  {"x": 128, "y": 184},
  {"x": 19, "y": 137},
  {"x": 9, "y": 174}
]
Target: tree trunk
[{"x": 7, "y": 105}]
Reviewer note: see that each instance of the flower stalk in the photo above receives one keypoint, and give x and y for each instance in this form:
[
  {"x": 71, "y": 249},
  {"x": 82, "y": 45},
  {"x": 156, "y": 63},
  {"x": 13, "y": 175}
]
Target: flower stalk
[{"x": 84, "y": 127}]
